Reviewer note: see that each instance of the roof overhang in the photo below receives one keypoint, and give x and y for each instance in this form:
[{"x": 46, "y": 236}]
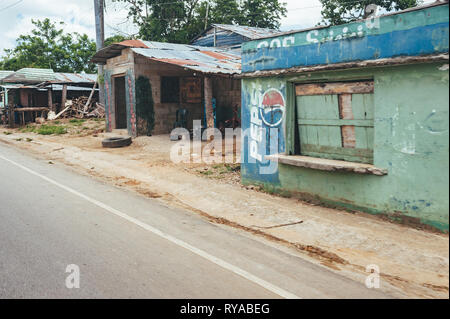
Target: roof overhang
[{"x": 205, "y": 60}]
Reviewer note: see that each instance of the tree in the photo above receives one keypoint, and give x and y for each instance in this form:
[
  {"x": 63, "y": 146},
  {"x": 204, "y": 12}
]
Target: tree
[
  {"x": 49, "y": 47},
  {"x": 262, "y": 13},
  {"x": 178, "y": 21},
  {"x": 336, "y": 12},
  {"x": 115, "y": 39}
]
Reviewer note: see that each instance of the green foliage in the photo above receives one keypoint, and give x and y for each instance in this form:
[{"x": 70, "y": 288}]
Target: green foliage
[
  {"x": 144, "y": 106},
  {"x": 178, "y": 21},
  {"x": 262, "y": 13},
  {"x": 336, "y": 12},
  {"x": 47, "y": 46},
  {"x": 50, "y": 130},
  {"x": 115, "y": 39}
]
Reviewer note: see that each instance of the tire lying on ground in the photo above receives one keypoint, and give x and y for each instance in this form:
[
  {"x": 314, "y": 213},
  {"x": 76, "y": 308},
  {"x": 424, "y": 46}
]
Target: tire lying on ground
[{"x": 114, "y": 142}]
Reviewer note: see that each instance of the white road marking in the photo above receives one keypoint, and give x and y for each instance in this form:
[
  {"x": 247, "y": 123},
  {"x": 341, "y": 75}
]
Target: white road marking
[{"x": 222, "y": 263}]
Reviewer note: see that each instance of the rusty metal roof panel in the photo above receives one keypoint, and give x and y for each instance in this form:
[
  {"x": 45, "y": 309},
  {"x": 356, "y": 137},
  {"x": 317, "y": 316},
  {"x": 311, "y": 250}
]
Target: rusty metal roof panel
[{"x": 205, "y": 60}]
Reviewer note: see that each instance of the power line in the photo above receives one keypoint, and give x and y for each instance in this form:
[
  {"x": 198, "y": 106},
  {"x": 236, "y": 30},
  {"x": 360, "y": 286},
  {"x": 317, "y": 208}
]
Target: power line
[{"x": 11, "y": 5}]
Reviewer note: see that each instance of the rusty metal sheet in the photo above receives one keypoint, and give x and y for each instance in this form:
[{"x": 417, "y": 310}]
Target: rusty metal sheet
[
  {"x": 203, "y": 59},
  {"x": 206, "y": 61}
]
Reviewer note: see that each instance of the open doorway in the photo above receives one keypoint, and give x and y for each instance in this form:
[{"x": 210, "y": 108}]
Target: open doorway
[{"x": 120, "y": 102}]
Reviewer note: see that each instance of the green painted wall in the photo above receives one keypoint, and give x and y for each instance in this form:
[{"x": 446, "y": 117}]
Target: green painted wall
[{"x": 411, "y": 141}]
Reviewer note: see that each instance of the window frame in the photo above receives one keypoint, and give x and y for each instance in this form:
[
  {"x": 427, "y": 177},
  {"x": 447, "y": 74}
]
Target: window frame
[
  {"x": 292, "y": 155},
  {"x": 163, "y": 90}
]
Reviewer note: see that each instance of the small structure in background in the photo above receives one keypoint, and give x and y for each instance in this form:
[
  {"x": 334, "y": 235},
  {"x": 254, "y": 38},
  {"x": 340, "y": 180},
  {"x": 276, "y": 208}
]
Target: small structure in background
[
  {"x": 231, "y": 37},
  {"x": 32, "y": 93},
  {"x": 357, "y": 113}
]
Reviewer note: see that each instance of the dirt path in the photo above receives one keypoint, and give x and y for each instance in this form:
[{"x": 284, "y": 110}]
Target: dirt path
[{"x": 413, "y": 263}]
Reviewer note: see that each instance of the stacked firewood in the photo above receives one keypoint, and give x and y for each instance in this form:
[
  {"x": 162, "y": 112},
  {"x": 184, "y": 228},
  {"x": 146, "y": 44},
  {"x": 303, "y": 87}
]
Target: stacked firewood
[{"x": 82, "y": 107}]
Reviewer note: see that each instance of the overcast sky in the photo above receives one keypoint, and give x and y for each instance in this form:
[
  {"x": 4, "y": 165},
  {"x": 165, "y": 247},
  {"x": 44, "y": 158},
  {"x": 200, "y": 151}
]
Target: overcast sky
[{"x": 16, "y": 15}]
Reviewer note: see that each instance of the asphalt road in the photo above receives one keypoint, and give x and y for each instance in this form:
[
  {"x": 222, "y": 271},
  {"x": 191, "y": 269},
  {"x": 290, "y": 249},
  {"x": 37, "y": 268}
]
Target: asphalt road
[{"x": 128, "y": 246}]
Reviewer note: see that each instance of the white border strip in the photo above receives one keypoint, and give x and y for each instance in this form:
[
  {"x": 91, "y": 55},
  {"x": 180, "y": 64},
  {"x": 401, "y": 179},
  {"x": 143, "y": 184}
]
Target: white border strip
[{"x": 272, "y": 288}]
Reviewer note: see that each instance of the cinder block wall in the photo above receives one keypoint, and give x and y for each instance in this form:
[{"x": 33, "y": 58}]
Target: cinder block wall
[
  {"x": 165, "y": 113},
  {"x": 227, "y": 92}
]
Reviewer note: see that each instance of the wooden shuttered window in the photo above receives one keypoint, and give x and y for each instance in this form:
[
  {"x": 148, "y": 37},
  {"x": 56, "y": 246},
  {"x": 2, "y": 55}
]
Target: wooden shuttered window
[{"x": 336, "y": 120}]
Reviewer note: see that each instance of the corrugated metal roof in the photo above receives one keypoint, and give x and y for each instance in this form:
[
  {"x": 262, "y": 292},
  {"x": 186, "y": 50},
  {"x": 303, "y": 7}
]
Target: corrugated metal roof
[
  {"x": 227, "y": 35},
  {"x": 248, "y": 32},
  {"x": 4, "y": 74},
  {"x": 74, "y": 78},
  {"x": 30, "y": 75},
  {"x": 205, "y": 61},
  {"x": 202, "y": 59},
  {"x": 47, "y": 76}
]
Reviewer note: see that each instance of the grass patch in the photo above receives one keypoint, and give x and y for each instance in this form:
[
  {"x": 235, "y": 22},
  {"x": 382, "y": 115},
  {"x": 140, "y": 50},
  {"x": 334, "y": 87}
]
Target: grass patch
[
  {"x": 207, "y": 173},
  {"x": 51, "y": 129},
  {"x": 29, "y": 139},
  {"x": 28, "y": 129},
  {"x": 7, "y": 133},
  {"x": 77, "y": 122}
]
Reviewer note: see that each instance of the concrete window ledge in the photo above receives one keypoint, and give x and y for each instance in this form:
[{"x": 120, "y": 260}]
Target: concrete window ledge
[{"x": 327, "y": 165}]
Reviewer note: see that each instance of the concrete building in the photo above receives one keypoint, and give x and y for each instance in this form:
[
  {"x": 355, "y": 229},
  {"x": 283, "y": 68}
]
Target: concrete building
[
  {"x": 355, "y": 116},
  {"x": 198, "y": 79}
]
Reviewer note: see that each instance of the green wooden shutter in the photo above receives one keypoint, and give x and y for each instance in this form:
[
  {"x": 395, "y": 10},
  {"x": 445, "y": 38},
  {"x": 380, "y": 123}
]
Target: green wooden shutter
[{"x": 336, "y": 120}]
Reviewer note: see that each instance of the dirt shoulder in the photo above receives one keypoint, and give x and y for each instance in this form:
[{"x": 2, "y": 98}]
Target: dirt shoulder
[{"x": 413, "y": 263}]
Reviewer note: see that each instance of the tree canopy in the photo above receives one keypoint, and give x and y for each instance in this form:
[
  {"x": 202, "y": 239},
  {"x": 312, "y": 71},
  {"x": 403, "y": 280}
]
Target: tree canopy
[
  {"x": 47, "y": 46},
  {"x": 336, "y": 12},
  {"x": 178, "y": 21}
]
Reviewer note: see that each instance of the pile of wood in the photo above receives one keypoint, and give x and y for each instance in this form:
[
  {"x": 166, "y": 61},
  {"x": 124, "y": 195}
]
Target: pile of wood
[{"x": 82, "y": 107}]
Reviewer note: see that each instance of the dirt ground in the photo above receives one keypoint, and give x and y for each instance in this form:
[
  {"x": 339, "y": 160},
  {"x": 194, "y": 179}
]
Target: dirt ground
[{"x": 413, "y": 263}]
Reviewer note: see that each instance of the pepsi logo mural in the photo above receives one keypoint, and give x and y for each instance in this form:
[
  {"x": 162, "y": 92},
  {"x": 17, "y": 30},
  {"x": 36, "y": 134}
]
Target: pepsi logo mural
[
  {"x": 273, "y": 108},
  {"x": 267, "y": 113}
]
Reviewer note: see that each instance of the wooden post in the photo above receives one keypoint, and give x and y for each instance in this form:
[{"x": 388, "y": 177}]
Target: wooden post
[
  {"x": 11, "y": 116},
  {"x": 63, "y": 97},
  {"x": 208, "y": 103},
  {"x": 50, "y": 99}
]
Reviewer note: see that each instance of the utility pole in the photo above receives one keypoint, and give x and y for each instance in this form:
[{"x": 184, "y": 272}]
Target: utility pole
[
  {"x": 207, "y": 14},
  {"x": 100, "y": 41}
]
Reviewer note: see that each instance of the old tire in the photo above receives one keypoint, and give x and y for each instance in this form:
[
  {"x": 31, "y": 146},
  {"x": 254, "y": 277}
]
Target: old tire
[{"x": 114, "y": 142}]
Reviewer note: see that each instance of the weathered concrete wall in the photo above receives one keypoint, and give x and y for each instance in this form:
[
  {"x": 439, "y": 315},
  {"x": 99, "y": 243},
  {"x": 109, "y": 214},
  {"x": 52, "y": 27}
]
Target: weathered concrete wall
[
  {"x": 227, "y": 92},
  {"x": 165, "y": 113},
  {"x": 411, "y": 142},
  {"x": 122, "y": 65}
]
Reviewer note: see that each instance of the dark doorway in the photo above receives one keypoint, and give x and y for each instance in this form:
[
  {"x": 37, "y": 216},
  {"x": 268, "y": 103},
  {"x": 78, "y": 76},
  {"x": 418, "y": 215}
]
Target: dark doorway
[{"x": 120, "y": 101}]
